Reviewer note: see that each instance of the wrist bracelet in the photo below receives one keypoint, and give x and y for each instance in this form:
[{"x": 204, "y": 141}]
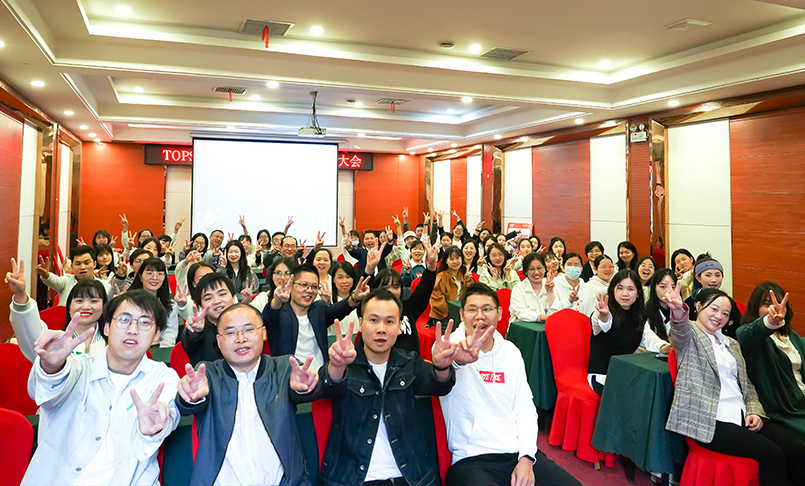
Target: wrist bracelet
[{"x": 441, "y": 369}]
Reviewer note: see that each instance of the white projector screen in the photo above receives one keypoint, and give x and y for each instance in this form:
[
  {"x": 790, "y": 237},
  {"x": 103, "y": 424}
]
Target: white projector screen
[{"x": 266, "y": 182}]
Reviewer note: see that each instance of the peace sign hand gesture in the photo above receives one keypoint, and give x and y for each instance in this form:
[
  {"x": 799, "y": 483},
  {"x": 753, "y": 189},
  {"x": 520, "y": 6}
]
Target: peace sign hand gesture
[
  {"x": 16, "y": 281},
  {"x": 443, "y": 350},
  {"x": 194, "y": 386},
  {"x": 479, "y": 226},
  {"x": 433, "y": 258},
  {"x": 406, "y": 265},
  {"x": 151, "y": 415},
  {"x": 178, "y": 225},
  {"x": 673, "y": 298},
  {"x": 777, "y": 309},
  {"x": 602, "y": 307},
  {"x": 195, "y": 323},
  {"x": 303, "y": 378},
  {"x": 549, "y": 284},
  {"x": 283, "y": 292},
  {"x": 53, "y": 347},
  {"x": 319, "y": 240},
  {"x": 181, "y": 295},
  {"x": 469, "y": 349},
  {"x": 342, "y": 352},
  {"x": 574, "y": 294},
  {"x": 124, "y": 222},
  {"x": 396, "y": 220},
  {"x": 246, "y": 293},
  {"x": 43, "y": 269},
  {"x": 361, "y": 290}
]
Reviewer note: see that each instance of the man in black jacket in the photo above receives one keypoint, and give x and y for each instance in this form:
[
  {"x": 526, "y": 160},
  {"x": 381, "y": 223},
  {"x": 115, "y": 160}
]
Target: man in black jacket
[
  {"x": 255, "y": 441},
  {"x": 214, "y": 293}
]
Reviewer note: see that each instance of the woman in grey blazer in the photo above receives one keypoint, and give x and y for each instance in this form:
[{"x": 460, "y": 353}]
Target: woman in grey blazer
[{"x": 715, "y": 404}]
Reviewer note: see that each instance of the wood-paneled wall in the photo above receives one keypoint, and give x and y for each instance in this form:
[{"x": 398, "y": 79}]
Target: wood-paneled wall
[
  {"x": 394, "y": 182},
  {"x": 561, "y": 193},
  {"x": 767, "y": 165},
  {"x": 639, "y": 194},
  {"x": 10, "y": 167},
  {"x": 458, "y": 191}
]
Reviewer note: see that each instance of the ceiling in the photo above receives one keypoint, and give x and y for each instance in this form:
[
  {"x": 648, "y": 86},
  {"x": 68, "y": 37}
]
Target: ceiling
[{"x": 148, "y": 74}]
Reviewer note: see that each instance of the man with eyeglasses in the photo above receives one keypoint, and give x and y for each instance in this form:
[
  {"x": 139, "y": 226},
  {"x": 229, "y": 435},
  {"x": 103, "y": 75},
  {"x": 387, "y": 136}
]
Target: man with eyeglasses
[
  {"x": 82, "y": 263},
  {"x": 256, "y": 441},
  {"x": 296, "y": 323},
  {"x": 214, "y": 293},
  {"x": 489, "y": 415},
  {"x": 103, "y": 417}
]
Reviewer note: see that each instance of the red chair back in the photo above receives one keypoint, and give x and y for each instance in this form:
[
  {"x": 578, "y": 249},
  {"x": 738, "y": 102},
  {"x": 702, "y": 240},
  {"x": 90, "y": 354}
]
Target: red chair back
[
  {"x": 521, "y": 275},
  {"x": 505, "y": 297},
  {"x": 397, "y": 264},
  {"x": 442, "y": 451},
  {"x": 741, "y": 306},
  {"x": 673, "y": 366},
  {"x": 414, "y": 283},
  {"x": 322, "y": 411},
  {"x": 568, "y": 334},
  {"x": 178, "y": 359},
  {"x": 265, "y": 272},
  {"x": 340, "y": 258},
  {"x": 14, "y": 385},
  {"x": 54, "y": 317},
  {"x": 18, "y": 435},
  {"x": 172, "y": 282}
]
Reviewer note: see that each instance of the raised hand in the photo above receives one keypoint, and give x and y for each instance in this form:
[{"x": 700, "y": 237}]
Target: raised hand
[
  {"x": 342, "y": 352},
  {"x": 507, "y": 270},
  {"x": 325, "y": 293},
  {"x": 481, "y": 262},
  {"x": 283, "y": 292},
  {"x": 43, "y": 269},
  {"x": 541, "y": 249},
  {"x": 230, "y": 237},
  {"x": 574, "y": 294},
  {"x": 118, "y": 291},
  {"x": 195, "y": 323},
  {"x": 194, "y": 386},
  {"x": 170, "y": 249},
  {"x": 302, "y": 246},
  {"x": 186, "y": 246},
  {"x": 443, "y": 350},
  {"x": 361, "y": 290},
  {"x": 178, "y": 225},
  {"x": 405, "y": 214},
  {"x": 129, "y": 240},
  {"x": 16, "y": 281},
  {"x": 777, "y": 309},
  {"x": 602, "y": 306},
  {"x": 396, "y": 220},
  {"x": 124, "y": 222},
  {"x": 288, "y": 224},
  {"x": 427, "y": 218},
  {"x": 121, "y": 270},
  {"x": 455, "y": 215},
  {"x": 319, "y": 240},
  {"x": 389, "y": 234},
  {"x": 469, "y": 349},
  {"x": 113, "y": 241},
  {"x": 479, "y": 226},
  {"x": 151, "y": 415},
  {"x": 303, "y": 378},
  {"x": 549, "y": 284},
  {"x": 468, "y": 278},
  {"x": 372, "y": 260},
  {"x": 53, "y": 347},
  {"x": 221, "y": 261},
  {"x": 181, "y": 295},
  {"x": 673, "y": 298},
  {"x": 343, "y": 225},
  {"x": 433, "y": 257},
  {"x": 493, "y": 272},
  {"x": 246, "y": 293},
  {"x": 192, "y": 257},
  {"x": 242, "y": 222},
  {"x": 406, "y": 265},
  {"x": 80, "y": 242}
]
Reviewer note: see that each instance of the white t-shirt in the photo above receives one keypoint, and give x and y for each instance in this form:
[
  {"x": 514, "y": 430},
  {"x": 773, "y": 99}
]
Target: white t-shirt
[
  {"x": 306, "y": 344},
  {"x": 382, "y": 465}
]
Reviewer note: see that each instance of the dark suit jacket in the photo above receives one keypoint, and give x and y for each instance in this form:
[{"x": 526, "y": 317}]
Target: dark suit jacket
[{"x": 282, "y": 326}]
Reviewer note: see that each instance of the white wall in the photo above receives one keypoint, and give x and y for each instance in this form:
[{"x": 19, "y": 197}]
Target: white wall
[
  {"x": 699, "y": 210},
  {"x": 474, "y": 180},
  {"x": 441, "y": 187},
  {"x": 346, "y": 205},
  {"x": 30, "y": 159},
  {"x": 66, "y": 170},
  {"x": 178, "y": 192},
  {"x": 517, "y": 187},
  {"x": 608, "y": 191}
]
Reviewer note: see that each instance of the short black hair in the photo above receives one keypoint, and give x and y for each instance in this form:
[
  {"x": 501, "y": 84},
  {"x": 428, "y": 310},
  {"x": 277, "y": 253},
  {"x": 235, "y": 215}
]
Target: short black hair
[
  {"x": 570, "y": 255},
  {"x": 385, "y": 277},
  {"x": 143, "y": 300},
  {"x": 138, "y": 252},
  {"x": 240, "y": 305},
  {"x": 529, "y": 259},
  {"x": 589, "y": 246},
  {"x": 277, "y": 233},
  {"x": 705, "y": 297},
  {"x": 191, "y": 274},
  {"x": 420, "y": 225},
  {"x": 479, "y": 289},
  {"x": 600, "y": 258},
  {"x": 381, "y": 294},
  {"x": 216, "y": 231},
  {"x": 291, "y": 237},
  {"x": 82, "y": 250},
  {"x": 212, "y": 281},
  {"x": 245, "y": 237},
  {"x": 366, "y": 232},
  {"x": 165, "y": 239},
  {"x": 295, "y": 272}
]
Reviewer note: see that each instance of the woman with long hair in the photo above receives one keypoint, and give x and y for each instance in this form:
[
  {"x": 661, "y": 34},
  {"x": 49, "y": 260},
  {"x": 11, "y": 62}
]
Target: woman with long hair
[
  {"x": 498, "y": 272},
  {"x": 451, "y": 281},
  {"x": 658, "y": 315},
  {"x": 627, "y": 256},
  {"x": 153, "y": 277},
  {"x": 237, "y": 269},
  {"x": 321, "y": 261},
  {"x": 533, "y": 299},
  {"x": 469, "y": 252}
]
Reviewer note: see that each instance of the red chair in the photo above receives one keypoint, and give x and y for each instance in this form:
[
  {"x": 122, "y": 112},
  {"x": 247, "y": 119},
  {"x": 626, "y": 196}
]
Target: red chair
[
  {"x": 340, "y": 258},
  {"x": 397, "y": 265},
  {"x": 265, "y": 272},
  {"x": 322, "y": 410},
  {"x": 178, "y": 359},
  {"x": 740, "y": 306},
  {"x": 14, "y": 385},
  {"x": 172, "y": 282},
  {"x": 442, "y": 451},
  {"x": 414, "y": 283},
  {"x": 54, "y": 317},
  {"x": 521, "y": 275},
  {"x": 476, "y": 277},
  {"x": 505, "y": 297},
  {"x": 18, "y": 435},
  {"x": 426, "y": 336},
  {"x": 704, "y": 466},
  {"x": 576, "y": 409}
]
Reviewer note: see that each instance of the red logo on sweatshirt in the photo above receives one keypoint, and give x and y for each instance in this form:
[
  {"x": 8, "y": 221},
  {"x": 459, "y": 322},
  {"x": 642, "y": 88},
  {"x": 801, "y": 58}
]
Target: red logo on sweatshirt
[{"x": 490, "y": 377}]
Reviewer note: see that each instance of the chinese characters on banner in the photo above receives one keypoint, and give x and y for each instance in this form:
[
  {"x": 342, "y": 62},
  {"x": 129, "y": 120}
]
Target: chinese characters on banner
[{"x": 355, "y": 161}]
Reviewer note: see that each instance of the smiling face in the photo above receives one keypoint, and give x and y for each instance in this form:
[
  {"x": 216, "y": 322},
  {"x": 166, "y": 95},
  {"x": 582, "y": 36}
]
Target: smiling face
[
  {"x": 233, "y": 255},
  {"x": 646, "y": 270},
  {"x": 240, "y": 338},
  {"x": 322, "y": 262},
  {"x": 710, "y": 278},
  {"x": 89, "y": 310},
  {"x": 605, "y": 269},
  {"x": 625, "y": 293},
  {"x": 276, "y": 241},
  {"x": 714, "y": 316},
  {"x": 480, "y": 311},
  {"x": 152, "y": 279},
  {"x": 104, "y": 259},
  {"x": 83, "y": 267},
  {"x": 152, "y": 247},
  {"x": 200, "y": 272},
  {"x": 216, "y": 238},
  {"x": 458, "y": 231},
  {"x": 535, "y": 272},
  {"x": 551, "y": 262},
  {"x": 496, "y": 257},
  {"x": 129, "y": 345},
  {"x": 594, "y": 253},
  {"x": 683, "y": 262},
  {"x": 454, "y": 262},
  {"x": 446, "y": 241},
  {"x": 370, "y": 241},
  {"x": 343, "y": 282},
  {"x": 305, "y": 289},
  {"x": 380, "y": 326},
  {"x": 217, "y": 299},
  {"x": 280, "y": 275},
  {"x": 469, "y": 252},
  {"x": 525, "y": 247},
  {"x": 625, "y": 254},
  {"x": 288, "y": 247},
  {"x": 501, "y": 239},
  {"x": 263, "y": 239},
  {"x": 246, "y": 244},
  {"x": 198, "y": 243},
  {"x": 662, "y": 288},
  {"x": 417, "y": 253},
  {"x": 101, "y": 240},
  {"x": 558, "y": 248}
]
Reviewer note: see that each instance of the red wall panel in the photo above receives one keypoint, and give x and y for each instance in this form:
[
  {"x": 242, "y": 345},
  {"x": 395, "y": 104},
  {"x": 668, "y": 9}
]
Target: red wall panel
[
  {"x": 458, "y": 189},
  {"x": 380, "y": 194},
  {"x": 10, "y": 167},
  {"x": 115, "y": 180},
  {"x": 561, "y": 193},
  {"x": 767, "y": 165}
]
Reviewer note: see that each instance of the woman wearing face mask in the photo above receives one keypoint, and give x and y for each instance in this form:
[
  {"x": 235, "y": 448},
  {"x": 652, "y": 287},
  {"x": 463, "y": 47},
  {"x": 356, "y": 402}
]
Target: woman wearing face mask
[
  {"x": 604, "y": 269},
  {"x": 414, "y": 266},
  {"x": 533, "y": 299},
  {"x": 451, "y": 281},
  {"x": 153, "y": 277},
  {"x": 715, "y": 403},
  {"x": 645, "y": 270},
  {"x": 709, "y": 274},
  {"x": 498, "y": 272},
  {"x": 627, "y": 256},
  {"x": 773, "y": 353},
  {"x": 85, "y": 303},
  {"x": 571, "y": 290},
  {"x": 593, "y": 250},
  {"x": 619, "y": 327},
  {"x": 682, "y": 261}
]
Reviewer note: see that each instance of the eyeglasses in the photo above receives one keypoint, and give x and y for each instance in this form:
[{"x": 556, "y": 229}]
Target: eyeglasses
[
  {"x": 307, "y": 286},
  {"x": 153, "y": 273},
  {"x": 248, "y": 332},
  {"x": 487, "y": 309},
  {"x": 280, "y": 272},
  {"x": 123, "y": 321}
]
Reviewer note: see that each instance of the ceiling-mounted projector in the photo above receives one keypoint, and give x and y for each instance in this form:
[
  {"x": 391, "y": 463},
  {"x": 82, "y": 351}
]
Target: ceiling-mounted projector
[{"x": 313, "y": 129}]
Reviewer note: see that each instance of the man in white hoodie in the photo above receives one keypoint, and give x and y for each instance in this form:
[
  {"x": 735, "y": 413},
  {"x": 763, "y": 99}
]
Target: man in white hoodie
[{"x": 490, "y": 415}]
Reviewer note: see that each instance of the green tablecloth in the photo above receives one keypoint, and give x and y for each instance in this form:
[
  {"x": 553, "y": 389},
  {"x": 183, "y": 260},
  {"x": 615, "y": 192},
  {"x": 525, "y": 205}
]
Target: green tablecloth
[
  {"x": 530, "y": 338},
  {"x": 161, "y": 354},
  {"x": 634, "y": 408},
  {"x": 453, "y": 312}
]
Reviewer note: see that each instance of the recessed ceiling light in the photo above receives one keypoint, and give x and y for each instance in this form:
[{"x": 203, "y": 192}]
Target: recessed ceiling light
[
  {"x": 431, "y": 154},
  {"x": 255, "y": 97},
  {"x": 83, "y": 127},
  {"x": 466, "y": 99},
  {"x": 91, "y": 134},
  {"x": 604, "y": 63},
  {"x": 450, "y": 111},
  {"x": 356, "y": 146},
  {"x": 2, "y": 44},
  {"x": 475, "y": 47},
  {"x": 579, "y": 121},
  {"x": 498, "y": 136},
  {"x": 138, "y": 90},
  {"x": 522, "y": 139},
  {"x": 477, "y": 147},
  {"x": 361, "y": 134},
  {"x": 122, "y": 10},
  {"x": 37, "y": 83},
  {"x": 454, "y": 145},
  {"x": 273, "y": 84},
  {"x": 317, "y": 30},
  {"x": 97, "y": 140},
  {"x": 452, "y": 151},
  {"x": 69, "y": 112},
  {"x": 358, "y": 104},
  {"x": 673, "y": 103},
  {"x": 230, "y": 128},
  {"x": 411, "y": 153}
]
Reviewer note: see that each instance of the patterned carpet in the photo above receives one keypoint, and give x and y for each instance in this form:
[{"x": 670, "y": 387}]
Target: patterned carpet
[{"x": 586, "y": 473}]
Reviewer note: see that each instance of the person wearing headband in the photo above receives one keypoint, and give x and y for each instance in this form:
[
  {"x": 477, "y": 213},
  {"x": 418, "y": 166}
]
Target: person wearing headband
[{"x": 709, "y": 274}]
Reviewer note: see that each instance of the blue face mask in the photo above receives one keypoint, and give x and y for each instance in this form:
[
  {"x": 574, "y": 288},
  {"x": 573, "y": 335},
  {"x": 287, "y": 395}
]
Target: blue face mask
[{"x": 573, "y": 272}]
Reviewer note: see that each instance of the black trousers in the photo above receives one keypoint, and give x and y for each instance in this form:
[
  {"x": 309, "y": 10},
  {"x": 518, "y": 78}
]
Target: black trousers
[
  {"x": 496, "y": 469},
  {"x": 779, "y": 452}
]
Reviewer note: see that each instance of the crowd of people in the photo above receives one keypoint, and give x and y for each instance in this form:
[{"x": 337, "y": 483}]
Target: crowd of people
[{"x": 105, "y": 408}]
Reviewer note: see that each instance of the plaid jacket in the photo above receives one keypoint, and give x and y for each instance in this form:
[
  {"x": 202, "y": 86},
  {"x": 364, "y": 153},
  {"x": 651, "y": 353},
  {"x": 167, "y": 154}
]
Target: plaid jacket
[{"x": 693, "y": 412}]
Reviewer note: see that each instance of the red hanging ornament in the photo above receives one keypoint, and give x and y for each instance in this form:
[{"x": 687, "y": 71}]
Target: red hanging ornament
[
  {"x": 265, "y": 35},
  {"x": 230, "y": 96},
  {"x": 392, "y": 107}
]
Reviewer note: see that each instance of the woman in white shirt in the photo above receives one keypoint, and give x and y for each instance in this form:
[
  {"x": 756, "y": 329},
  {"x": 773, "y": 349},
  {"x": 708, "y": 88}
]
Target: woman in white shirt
[
  {"x": 532, "y": 299},
  {"x": 572, "y": 291},
  {"x": 645, "y": 269},
  {"x": 322, "y": 261},
  {"x": 343, "y": 283},
  {"x": 498, "y": 273},
  {"x": 604, "y": 269}
]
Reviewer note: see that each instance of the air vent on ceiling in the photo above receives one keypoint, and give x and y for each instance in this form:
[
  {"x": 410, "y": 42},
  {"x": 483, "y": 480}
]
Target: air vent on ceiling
[
  {"x": 388, "y": 101},
  {"x": 255, "y": 27},
  {"x": 230, "y": 89},
  {"x": 503, "y": 53},
  {"x": 687, "y": 25}
]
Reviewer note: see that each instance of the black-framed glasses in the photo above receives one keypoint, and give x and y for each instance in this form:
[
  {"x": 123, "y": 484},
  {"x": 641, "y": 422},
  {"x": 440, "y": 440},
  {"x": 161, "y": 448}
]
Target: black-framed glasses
[
  {"x": 123, "y": 321},
  {"x": 308, "y": 286}
]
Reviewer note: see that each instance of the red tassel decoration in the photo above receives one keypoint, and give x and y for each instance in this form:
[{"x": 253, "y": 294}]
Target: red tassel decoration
[
  {"x": 230, "y": 96},
  {"x": 265, "y": 35},
  {"x": 392, "y": 107}
]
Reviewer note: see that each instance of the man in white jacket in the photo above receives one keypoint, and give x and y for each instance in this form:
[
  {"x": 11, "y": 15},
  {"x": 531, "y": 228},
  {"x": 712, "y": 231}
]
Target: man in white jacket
[{"x": 490, "y": 416}]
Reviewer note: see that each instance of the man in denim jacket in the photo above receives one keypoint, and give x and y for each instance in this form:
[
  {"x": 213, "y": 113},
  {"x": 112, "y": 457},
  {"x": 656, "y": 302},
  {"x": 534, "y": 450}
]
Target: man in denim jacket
[{"x": 372, "y": 439}]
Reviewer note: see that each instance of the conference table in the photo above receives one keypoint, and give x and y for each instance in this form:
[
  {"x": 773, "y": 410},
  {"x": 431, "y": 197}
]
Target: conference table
[
  {"x": 633, "y": 411},
  {"x": 532, "y": 341}
]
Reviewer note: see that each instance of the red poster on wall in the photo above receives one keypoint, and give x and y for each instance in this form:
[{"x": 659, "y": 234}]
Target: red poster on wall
[{"x": 523, "y": 229}]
